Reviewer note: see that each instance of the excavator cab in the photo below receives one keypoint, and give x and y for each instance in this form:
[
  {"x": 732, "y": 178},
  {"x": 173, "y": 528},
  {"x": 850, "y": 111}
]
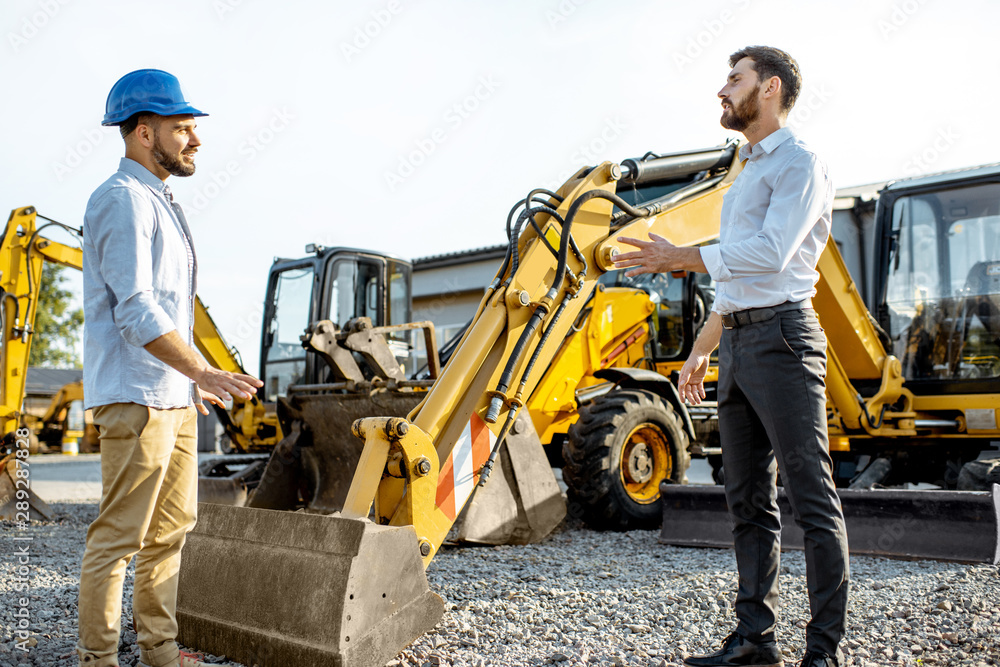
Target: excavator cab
[
  {"x": 335, "y": 284},
  {"x": 330, "y": 289},
  {"x": 941, "y": 284}
]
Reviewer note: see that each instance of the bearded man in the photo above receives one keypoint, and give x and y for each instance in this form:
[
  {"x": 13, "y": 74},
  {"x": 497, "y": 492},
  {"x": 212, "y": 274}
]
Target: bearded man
[
  {"x": 772, "y": 362},
  {"x": 142, "y": 377}
]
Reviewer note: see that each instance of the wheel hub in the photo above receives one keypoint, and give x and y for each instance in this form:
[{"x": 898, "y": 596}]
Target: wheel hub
[
  {"x": 640, "y": 464},
  {"x": 645, "y": 462}
]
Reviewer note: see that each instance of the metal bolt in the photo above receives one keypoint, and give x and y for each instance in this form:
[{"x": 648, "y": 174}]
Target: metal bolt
[
  {"x": 423, "y": 466},
  {"x": 425, "y": 549},
  {"x": 524, "y": 298},
  {"x": 516, "y": 427},
  {"x": 396, "y": 428}
]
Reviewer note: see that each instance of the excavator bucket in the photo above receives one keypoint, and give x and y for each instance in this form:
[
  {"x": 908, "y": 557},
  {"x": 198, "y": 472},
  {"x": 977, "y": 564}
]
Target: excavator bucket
[
  {"x": 17, "y": 501},
  {"x": 273, "y": 589},
  {"x": 959, "y": 526},
  {"x": 521, "y": 502},
  {"x": 314, "y": 464}
]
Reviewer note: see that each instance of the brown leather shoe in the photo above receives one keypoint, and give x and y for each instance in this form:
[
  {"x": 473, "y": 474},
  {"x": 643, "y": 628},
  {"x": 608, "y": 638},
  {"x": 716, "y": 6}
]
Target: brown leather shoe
[{"x": 738, "y": 651}]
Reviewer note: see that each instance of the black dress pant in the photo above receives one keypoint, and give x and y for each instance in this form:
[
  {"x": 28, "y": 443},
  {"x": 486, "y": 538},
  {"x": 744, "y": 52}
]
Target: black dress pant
[{"x": 772, "y": 417}]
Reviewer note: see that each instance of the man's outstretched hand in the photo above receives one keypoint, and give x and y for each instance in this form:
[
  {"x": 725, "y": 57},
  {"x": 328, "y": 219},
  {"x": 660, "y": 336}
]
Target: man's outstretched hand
[
  {"x": 691, "y": 383},
  {"x": 658, "y": 255},
  {"x": 215, "y": 386}
]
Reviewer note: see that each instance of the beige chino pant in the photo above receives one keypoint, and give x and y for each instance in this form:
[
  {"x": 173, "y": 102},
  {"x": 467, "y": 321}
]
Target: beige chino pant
[{"x": 149, "y": 471}]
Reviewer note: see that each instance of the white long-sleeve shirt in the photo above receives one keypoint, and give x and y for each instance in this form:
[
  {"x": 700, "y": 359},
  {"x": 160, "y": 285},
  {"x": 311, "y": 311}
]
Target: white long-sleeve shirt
[
  {"x": 775, "y": 224},
  {"x": 139, "y": 282}
]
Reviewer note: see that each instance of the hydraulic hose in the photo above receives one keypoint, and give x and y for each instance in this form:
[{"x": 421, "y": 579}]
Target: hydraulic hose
[
  {"x": 484, "y": 472},
  {"x": 541, "y": 344},
  {"x": 496, "y": 404},
  {"x": 574, "y": 208},
  {"x": 31, "y": 244}
]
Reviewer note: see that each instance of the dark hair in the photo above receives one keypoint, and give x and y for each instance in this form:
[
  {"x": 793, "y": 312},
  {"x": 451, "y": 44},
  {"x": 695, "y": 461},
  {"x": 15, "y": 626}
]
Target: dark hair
[
  {"x": 769, "y": 61},
  {"x": 129, "y": 124}
]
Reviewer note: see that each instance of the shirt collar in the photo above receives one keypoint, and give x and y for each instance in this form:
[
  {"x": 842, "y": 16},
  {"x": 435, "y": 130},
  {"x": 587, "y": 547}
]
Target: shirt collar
[
  {"x": 767, "y": 144},
  {"x": 133, "y": 168}
]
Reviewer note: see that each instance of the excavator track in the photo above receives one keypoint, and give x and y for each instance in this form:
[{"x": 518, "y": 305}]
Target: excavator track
[{"x": 961, "y": 526}]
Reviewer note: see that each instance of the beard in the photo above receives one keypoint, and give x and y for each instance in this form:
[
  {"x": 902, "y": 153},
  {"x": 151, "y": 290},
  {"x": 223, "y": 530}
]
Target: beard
[
  {"x": 172, "y": 163},
  {"x": 741, "y": 116}
]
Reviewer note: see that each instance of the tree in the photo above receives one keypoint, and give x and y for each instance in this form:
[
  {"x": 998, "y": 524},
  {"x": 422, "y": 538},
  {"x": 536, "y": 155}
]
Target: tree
[{"x": 57, "y": 327}]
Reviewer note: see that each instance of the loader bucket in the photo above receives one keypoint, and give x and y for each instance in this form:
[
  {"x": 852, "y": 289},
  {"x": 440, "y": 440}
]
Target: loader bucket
[
  {"x": 521, "y": 502},
  {"x": 961, "y": 526},
  {"x": 17, "y": 501},
  {"x": 273, "y": 589},
  {"x": 314, "y": 465}
]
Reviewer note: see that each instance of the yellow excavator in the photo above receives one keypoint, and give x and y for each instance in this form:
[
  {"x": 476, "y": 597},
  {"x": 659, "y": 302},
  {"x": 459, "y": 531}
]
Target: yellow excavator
[{"x": 342, "y": 582}]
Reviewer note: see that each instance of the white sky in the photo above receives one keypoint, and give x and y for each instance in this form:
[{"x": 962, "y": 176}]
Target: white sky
[{"x": 309, "y": 114}]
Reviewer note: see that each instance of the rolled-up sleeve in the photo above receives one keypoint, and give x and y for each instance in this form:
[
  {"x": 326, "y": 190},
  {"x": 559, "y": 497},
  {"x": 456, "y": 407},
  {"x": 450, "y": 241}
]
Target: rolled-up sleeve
[
  {"x": 798, "y": 200},
  {"x": 711, "y": 255},
  {"x": 122, "y": 226}
]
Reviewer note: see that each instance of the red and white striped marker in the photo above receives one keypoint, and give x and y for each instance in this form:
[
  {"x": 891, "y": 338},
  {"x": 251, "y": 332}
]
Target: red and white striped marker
[{"x": 460, "y": 472}]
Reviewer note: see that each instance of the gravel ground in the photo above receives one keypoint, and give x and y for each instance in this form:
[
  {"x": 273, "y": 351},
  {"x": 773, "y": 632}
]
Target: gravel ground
[{"x": 580, "y": 597}]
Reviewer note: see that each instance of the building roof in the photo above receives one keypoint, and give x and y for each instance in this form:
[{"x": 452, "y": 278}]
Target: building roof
[
  {"x": 460, "y": 257},
  {"x": 48, "y": 381}
]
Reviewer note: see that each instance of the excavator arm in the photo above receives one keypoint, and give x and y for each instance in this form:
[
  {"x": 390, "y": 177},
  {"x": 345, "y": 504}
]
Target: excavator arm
[
  {"x": 252, "y": 425},
  {"x": 449, "y": 443},
  {"x": 23, "y": 251},
  {"x": 417, "y": 475}
]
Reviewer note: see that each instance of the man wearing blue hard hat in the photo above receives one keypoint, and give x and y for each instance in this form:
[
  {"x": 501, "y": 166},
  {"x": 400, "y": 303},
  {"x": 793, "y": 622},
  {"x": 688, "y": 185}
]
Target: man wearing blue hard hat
[{"x": 142, "y": 377}]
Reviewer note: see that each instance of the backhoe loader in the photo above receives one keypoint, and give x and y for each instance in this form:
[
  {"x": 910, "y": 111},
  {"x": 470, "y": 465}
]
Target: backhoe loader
[
  {"x": 346, "y": 589},
  {"x": 342, "y": 583}
]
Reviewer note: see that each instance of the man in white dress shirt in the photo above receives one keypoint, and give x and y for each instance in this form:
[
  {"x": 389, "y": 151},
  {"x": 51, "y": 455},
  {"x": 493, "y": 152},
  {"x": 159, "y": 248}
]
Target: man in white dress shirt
[{"x": 772, "y": 362}]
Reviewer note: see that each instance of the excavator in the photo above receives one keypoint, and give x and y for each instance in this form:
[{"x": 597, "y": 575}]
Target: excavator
[{"x": 341, "y": 582}]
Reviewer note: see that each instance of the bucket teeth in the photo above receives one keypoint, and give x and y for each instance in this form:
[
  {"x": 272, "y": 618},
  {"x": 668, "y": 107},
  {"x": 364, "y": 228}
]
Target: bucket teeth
[{"x": 287, "y": 588}]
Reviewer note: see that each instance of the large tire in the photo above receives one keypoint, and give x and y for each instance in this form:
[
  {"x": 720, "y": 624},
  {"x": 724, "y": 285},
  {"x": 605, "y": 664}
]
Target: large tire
[
  {"x": 617, "y": 453},
  {"x": 979, "y": 475}
]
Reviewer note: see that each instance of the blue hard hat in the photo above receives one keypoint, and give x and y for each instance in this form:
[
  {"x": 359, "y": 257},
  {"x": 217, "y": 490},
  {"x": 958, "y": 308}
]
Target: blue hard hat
[{"x": 150, "y": 90}]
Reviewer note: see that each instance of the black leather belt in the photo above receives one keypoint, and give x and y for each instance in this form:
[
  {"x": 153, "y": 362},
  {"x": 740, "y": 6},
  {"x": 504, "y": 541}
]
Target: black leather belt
[{"x": 742, "y": 318}]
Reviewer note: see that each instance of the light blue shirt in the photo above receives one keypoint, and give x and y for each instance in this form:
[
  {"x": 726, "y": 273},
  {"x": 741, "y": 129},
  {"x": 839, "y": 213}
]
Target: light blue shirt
[
  {"x": 139, "y": 279},
  {"x": 775, "y": 224}
]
